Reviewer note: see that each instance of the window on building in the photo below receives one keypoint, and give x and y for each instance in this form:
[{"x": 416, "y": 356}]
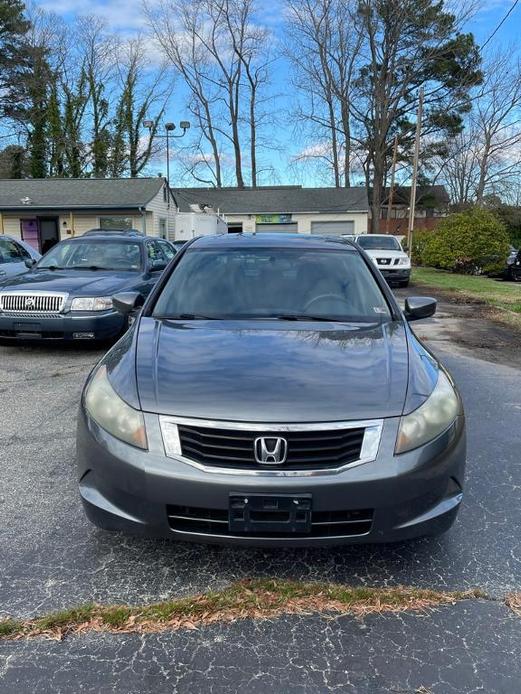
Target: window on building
[
  {"x": 162, "y": 228},
  {"x": 114, "y": 223}
]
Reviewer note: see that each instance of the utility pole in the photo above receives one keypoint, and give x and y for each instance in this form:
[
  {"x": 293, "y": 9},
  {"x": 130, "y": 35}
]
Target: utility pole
[
  {"x": 391, "y": 189},
  {"x": 412, "y": 202}
]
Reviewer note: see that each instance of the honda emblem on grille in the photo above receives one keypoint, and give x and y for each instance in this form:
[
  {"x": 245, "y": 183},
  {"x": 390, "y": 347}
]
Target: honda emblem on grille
[
  {"x": 29, "y": 302},
  {"x": 270, "y": 451}
]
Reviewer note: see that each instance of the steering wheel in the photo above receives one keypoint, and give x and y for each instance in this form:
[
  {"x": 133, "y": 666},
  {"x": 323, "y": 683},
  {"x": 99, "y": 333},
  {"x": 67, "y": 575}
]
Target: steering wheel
[{"x": 330, "y": 295}]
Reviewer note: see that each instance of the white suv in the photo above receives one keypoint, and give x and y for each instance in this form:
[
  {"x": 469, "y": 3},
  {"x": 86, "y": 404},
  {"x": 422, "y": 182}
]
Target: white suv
[{"x": 388, "y": 255}]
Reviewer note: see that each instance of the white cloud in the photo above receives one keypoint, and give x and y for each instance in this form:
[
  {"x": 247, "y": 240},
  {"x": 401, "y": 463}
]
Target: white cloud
[{"x": 120, "y": 15}]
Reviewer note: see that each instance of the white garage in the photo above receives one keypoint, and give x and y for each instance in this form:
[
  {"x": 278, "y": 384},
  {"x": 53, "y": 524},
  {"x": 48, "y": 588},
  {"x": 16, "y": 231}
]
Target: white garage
[
  {"x": 286, "y": 209},
  {"x": 291, "y": 228},
  {"x": 338, "y": 228}
]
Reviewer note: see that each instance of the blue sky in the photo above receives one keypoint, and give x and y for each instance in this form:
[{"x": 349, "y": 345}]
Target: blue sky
[{"x": 126, "y": 17}]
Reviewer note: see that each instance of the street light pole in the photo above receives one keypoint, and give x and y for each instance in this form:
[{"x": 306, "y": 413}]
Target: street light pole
[
  {"x": 412, "y": 202},
  {"x": 169, "y": 127}
]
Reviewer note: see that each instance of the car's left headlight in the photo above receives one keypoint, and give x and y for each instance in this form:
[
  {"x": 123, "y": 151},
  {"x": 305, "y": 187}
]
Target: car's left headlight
[
  {"x": 404, "y": 261},
  {"x": 112, "y": 413},
  {"x": 431, "y": 419},
  {"x": 91, "y": 303}
]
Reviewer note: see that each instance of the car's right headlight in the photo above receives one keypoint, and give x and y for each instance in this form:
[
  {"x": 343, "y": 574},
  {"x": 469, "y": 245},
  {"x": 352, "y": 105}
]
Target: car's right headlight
[
  {"x": 112, "y": 413},
  {"x": 91, "y": 303},
  {"x": 431, "y": 419}
]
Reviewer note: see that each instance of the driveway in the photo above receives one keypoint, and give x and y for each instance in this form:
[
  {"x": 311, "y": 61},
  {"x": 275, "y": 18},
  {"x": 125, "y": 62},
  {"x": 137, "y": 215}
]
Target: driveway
[{"x": 52, "y": 558}]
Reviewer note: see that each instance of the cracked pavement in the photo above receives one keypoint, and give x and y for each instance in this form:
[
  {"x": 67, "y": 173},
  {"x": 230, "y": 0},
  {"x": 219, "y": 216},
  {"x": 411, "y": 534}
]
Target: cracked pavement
[{"x": 51, "y": 558}]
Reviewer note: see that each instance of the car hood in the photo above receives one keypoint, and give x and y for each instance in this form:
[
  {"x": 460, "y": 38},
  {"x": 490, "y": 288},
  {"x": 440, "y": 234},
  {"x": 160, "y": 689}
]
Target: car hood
[
  {"x": 375, "y": 253},
  {"x": 81, "y": 282},
  {"x": 275, "y": 373}
]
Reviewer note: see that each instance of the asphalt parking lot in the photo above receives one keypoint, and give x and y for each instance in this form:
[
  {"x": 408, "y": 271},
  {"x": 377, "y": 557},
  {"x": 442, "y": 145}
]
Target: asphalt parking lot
[{"x": 52, "y": 558}]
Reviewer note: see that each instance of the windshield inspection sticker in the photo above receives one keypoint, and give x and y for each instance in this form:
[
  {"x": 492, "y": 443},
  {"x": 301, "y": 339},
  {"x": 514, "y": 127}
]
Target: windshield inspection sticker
[{"x": 379, "y": 309}]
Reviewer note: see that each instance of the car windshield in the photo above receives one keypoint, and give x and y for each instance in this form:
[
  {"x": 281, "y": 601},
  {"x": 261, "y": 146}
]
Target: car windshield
[
  {"x": 282, "y": 283},
  {"x": 380, "y": 243},
  {"x": 92, "y": 254}
]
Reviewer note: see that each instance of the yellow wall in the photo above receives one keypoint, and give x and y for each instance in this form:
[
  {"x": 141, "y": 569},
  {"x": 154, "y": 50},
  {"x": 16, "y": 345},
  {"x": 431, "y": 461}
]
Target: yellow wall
[{"x": 81, "y": 223}]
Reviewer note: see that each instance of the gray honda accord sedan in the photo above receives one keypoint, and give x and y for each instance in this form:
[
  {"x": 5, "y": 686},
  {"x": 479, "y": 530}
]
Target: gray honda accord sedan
[{"x": 271, "y": 392}]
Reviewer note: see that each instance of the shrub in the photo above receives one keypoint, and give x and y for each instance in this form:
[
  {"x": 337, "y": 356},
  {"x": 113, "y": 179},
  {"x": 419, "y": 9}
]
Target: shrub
[
  {"x": 420, "y": 239},
  {"x": 471, "y": 242}
]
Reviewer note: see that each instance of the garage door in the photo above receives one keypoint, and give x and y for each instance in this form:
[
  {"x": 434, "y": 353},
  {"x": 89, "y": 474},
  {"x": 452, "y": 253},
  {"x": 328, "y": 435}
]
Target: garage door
[
  {"x": 287, "y": 228},
  {"x": 333, "y": 228}
]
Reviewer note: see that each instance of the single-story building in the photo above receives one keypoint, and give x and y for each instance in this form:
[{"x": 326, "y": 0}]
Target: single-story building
[
  {"x": 332, "y": 211},
  {"x": 432, "y": 204},
  {"x": 45, "y": 211}
]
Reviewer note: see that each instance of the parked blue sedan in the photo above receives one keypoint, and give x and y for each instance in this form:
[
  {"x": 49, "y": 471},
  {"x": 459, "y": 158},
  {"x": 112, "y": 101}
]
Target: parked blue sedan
[
  {"x": 67, "y": 294},
  {"x": 13, "y": 256}
]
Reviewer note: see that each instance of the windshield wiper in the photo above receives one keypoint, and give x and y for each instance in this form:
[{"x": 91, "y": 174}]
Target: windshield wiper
[
  {"x": 189, "y": 316},
  {"x": 49, "y": 267},
  {"x": 307, "y": 317}
]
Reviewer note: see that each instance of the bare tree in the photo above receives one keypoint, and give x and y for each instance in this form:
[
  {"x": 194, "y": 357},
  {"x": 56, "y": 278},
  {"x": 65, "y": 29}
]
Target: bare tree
[
  {"x": 251, "y": 46},
  {"x": 176, "y": 25},
  {"x": 485, "y": 158},
  {"x": 221, "y": 53},
  {"x": 98, "y": 47},
  {"x": 144, "y": 90},
  {"x": 323, "y": 45},
  {"x": 497, "y": 120}
]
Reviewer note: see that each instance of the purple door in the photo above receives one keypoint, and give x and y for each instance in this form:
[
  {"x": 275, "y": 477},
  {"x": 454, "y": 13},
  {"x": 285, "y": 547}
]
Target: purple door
[{"x": 29, "y": 229}]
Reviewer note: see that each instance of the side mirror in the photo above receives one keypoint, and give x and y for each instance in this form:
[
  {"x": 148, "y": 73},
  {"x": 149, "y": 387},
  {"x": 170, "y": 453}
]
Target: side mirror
[
  {"x": 158, "y": 265},
  {"x": 126, "y": 302},
  {"x": 418, "y": 307},
  {"x": 29, "y": 262}
]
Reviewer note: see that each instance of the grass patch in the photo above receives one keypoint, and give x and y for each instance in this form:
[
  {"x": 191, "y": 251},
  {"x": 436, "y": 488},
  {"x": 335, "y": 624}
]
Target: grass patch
[
  {"x": 258, "y": 598},
  {"x": 501, "y": 295}
]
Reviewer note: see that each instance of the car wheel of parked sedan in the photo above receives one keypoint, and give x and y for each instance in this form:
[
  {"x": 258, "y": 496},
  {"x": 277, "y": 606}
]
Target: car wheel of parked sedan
[
  {"x": 272, "y": 393},
  {"x": 404, "y": 283}
]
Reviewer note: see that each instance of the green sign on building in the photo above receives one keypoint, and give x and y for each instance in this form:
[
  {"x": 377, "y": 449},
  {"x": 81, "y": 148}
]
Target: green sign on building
[{"x": 273, "y": 219}]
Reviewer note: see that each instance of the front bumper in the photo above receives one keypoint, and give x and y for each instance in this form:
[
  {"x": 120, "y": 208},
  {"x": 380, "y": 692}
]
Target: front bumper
[
  {"x": 393, "y": 274},
  {"x": 415, "y": 494},
  {"x": 104, "y": 325}
]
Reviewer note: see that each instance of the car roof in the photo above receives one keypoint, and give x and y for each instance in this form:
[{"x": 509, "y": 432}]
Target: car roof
[
  {"x": 376, "y": 236},
  {"x": 102, "y": 235},
  {"x": 272, "y": 240}
]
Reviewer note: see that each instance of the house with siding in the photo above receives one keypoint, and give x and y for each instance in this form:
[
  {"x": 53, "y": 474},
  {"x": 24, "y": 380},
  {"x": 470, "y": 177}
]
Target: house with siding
[
  {"x": 432, "y": 204},
  {"x": 45, "y": 211}
]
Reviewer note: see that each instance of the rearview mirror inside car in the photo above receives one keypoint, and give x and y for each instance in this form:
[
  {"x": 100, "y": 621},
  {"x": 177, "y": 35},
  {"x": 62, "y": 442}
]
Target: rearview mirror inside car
[
  {"x": 418, "y": 307},
  {"x": 126, "y": 302}
]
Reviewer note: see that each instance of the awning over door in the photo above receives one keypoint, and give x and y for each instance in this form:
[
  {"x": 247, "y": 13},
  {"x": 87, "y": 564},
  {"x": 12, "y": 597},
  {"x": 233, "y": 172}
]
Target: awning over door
[{"x": 333, "y": 228}]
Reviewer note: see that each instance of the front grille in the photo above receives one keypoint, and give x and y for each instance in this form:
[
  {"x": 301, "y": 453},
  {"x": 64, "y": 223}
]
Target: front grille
[
  {"x": 207, "y": 521},
  {"x": 234, "y": 448},
  {"x": 31, "y": 304}
]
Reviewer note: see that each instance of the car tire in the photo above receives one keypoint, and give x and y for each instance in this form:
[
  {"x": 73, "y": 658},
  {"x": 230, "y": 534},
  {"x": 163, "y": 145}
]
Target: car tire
[{"x": 403, "y": 283}]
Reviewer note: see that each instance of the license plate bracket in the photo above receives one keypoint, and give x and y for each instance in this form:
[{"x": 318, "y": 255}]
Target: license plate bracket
[{"x": 286, "y": 514}]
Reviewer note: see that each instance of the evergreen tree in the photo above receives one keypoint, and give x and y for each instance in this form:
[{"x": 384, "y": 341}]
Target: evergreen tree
[{"x": 14, "y": 57}]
